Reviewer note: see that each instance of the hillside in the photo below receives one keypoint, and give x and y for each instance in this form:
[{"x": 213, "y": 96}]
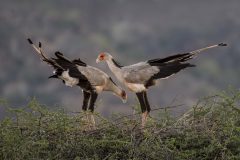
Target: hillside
[{"x": 209, "y": 130}]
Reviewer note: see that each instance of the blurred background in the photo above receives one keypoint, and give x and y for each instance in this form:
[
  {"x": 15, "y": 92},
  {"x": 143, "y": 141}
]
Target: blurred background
[{"x": 132, "y": 31}]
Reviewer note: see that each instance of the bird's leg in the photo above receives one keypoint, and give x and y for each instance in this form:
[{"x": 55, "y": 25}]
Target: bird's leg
[
  {"x": 144, "y": 118},
  {"x": 146, "y": 101},
  {"x": 146, "y": 114},
  {"x": 93, "y": 99},
  {"x": 93, "y": 120},
  {"x": 86, "y": 98},
  {"x": 141, "y": 100}
]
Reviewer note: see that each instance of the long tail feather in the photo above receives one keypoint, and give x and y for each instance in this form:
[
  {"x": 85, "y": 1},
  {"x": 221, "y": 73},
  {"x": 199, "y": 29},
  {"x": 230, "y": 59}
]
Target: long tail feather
[
  {"x": 43, "y": 55},
  {"x": 181, "y": 57},
  {"x": 206, "y": 48}
]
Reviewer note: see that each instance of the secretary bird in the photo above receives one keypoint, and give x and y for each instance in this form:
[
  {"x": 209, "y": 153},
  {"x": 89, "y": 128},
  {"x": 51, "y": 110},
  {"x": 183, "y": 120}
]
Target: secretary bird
[
  {"x": 140, "y": 76},
  {"x": 77, "y": 73}
]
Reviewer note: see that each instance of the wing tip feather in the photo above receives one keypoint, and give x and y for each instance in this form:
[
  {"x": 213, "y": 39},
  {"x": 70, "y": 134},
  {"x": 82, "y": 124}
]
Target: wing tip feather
[
  {"x": 29, "y": 41},
  {"x": 222, "y": 44}
]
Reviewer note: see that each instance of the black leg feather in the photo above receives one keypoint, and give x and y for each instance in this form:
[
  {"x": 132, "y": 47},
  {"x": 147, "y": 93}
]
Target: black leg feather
[
  {"x": 146, "y": 101},
  {"x": 140, "y": 97},
  {"x": 86, "y": 97},
  {"x": 93, "y": 99}
]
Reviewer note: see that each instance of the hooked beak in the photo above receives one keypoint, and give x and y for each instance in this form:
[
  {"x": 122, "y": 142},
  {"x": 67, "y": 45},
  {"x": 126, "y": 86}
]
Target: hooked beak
[
  {"x": 124, "y": 97},
  {"x": 124, "y": 100},
  {"x": 97, "y": 60}
]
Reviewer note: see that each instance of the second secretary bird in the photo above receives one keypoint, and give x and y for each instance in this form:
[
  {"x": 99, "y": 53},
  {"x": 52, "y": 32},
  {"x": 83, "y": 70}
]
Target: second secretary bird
[
  {"x": 77, "y": 73},
  {"x": 140, "y": 76}
]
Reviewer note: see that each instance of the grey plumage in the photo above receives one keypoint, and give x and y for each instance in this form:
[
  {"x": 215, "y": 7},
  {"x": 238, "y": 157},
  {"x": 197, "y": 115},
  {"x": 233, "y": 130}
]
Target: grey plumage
[
  {"x": 140, "y": 76},
  {"x": 139, "y": 73},
  {"x": 77, "y": 73}
]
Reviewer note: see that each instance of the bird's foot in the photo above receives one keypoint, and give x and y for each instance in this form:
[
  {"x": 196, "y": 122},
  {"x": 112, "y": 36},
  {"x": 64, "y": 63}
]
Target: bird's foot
[
  {"x": 144, "y": 119},
  {"x": 93, "y": 123}
]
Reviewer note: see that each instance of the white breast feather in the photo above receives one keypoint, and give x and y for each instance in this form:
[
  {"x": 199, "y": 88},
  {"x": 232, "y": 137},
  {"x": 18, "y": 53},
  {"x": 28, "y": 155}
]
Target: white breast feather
[
  {"x": 136, "y": 87},
  {"x": 69, "y": 81}
]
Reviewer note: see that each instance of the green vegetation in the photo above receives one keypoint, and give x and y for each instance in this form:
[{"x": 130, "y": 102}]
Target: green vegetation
[{"x": 209, "y": 130}]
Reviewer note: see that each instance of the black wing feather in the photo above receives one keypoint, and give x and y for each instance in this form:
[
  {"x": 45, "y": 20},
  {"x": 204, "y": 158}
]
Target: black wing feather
[
  {"x": 79, "y": 62},
  {"x": 62, "y": 61},
  {"x": 167, "y": 70},
  {"x": 174, "y": 58},
  {"x": 71, "y": 66},
  {"x": 117, "y": 63},
  {"x": 68, "y": 65}
]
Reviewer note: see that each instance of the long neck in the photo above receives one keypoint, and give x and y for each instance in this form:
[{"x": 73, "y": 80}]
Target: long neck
[
  {"x": 111, "y": 86},
  {"x": 115, "y": 68},
  {"x": 117, "y": 91}
]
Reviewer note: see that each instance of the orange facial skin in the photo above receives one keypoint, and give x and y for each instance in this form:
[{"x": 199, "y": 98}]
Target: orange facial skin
[{"x": 101, "y": 56}]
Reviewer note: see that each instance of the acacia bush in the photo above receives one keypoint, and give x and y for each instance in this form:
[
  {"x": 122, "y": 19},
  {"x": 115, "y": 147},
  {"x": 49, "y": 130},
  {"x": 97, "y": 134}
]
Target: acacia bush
[{"x": 209, "y": 130}]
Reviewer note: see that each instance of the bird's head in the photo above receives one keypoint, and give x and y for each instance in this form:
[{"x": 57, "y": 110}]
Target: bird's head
[
  {"x": 103, "y": 56},
  {"x": 124, "y": 96}
]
